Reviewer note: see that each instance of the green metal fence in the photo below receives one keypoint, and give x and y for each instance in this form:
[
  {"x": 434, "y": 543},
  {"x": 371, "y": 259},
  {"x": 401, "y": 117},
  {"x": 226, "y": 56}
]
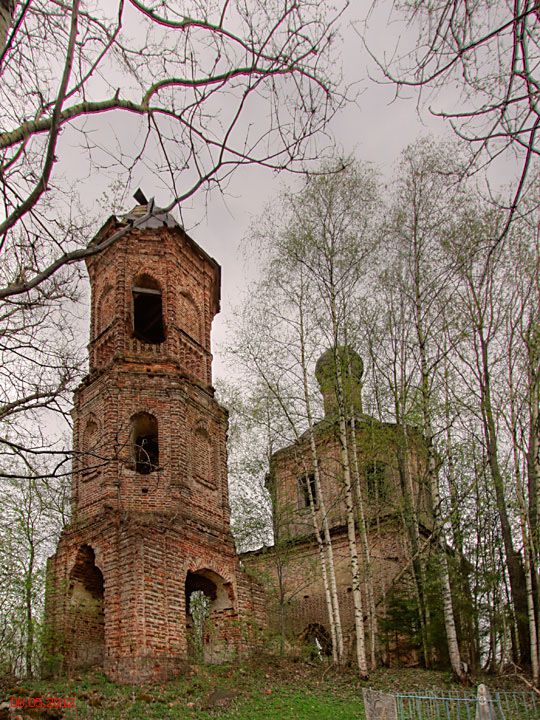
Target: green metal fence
[
  {"x": 452, "y": 705},
  {"x": 457, "y": 705}
]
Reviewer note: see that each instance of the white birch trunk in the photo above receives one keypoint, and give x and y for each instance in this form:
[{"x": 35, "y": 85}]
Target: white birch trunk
[
  {"x": 448, "y": 610},
  {"x": 327, "y": 553},
  {"x": 313, "y": 512},
  {"x": 362, "y": 525},
  {"x": 351, "y": 525}
]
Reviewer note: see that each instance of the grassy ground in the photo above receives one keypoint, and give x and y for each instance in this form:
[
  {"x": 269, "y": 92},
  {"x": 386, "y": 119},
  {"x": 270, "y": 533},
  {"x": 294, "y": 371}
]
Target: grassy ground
[{"x": 267, "y": 689}]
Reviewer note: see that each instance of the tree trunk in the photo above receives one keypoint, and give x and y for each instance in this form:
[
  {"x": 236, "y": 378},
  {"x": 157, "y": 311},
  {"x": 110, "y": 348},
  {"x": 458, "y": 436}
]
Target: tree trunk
[
  {"x": 471, "y": 630},
  {"x": 349, "y": 502},
  {"x": 325, "y": 547},
  {"x": 410, "y": 519},
  {"x": 422, "y": 339},
  {"x": 525, "y": 520},
  {"x": 353, "y": 553},
  {"x": 533, "y": 467},
  {"x": 29, "y": 650},
  {"x": 335, "y": 626},
  {"x": 516, "y": 573},
  {"x": 448, "y": 610},
  {"x": 7, "y": 8},
  {"x": 364, "y": 538}
]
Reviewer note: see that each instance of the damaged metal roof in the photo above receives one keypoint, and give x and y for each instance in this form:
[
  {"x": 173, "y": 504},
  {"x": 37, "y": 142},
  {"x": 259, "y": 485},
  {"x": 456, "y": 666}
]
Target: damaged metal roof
[{"x": 158, "y": 219}]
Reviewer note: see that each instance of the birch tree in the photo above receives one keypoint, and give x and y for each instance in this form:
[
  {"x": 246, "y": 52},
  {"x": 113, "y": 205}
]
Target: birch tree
[
  {"x": 482, "y": 302},
  {"x": 330, "y": 232},
  {"x": 389, "y": 336},
  {"x": 420, "y": 224},
  {"x": 267, "y": 349},
  {"x": 449, "y": 318}
]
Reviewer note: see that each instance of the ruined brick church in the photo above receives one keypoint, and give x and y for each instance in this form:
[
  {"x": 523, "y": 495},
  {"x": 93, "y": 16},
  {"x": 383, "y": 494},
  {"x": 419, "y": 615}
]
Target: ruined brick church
[
  {"x": 151, "y": 520},
  {"x": 385, "y": 462},
  {"x": 150, "y": 499}
]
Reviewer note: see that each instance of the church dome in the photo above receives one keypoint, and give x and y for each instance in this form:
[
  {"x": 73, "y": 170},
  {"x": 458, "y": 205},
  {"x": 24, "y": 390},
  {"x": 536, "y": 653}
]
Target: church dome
[{"x": 352, "y": 369}]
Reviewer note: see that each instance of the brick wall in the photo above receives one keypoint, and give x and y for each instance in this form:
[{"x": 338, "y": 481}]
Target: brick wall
[
  {"x": 189, "y": 283},
  {"x": 376, "y": 443},
  {"x": 305, "y": 600}
]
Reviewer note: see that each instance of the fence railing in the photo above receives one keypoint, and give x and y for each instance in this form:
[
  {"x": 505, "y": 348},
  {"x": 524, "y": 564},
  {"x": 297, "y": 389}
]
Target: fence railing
[{"x": 452, "y": 705}]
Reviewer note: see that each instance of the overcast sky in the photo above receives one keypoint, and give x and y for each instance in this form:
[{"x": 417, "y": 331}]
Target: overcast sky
[{"x": 374, "y": 129}]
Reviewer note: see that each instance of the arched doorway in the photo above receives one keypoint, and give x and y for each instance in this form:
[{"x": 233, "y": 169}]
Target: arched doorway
[
  {"x": 212, "y": 636},
  {"x": 316, "y": 637},
  {"x": 86, "y": 631}
]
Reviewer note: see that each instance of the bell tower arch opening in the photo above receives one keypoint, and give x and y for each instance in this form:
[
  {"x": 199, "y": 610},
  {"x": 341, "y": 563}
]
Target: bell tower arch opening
[
  {"x": 148, "y": 324},
  {"x": 86, "y": 629},
  {"x": 209, "y": 604}
]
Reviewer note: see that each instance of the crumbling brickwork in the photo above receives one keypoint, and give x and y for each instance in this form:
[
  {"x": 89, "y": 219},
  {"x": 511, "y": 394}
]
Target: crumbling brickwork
[{"x": 150, "y": 495}]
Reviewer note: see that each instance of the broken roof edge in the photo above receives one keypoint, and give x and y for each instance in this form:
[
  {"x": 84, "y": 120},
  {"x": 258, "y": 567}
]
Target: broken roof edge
[
  {"x": 309, "y": 538},
  {"x": 157, "y": 220},
  {"x": 329, "y": 424}
]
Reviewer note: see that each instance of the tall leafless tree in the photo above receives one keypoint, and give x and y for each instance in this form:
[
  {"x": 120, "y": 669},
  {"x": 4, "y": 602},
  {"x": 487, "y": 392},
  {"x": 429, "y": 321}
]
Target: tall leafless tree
[
  {"x": 188, "y": 94},
  {"x": 479, "y": 65}
]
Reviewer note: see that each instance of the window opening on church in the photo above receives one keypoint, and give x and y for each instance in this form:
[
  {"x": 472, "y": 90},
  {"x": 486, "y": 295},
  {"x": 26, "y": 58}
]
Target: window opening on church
[
  {"x": 376, "y": 482},
  {"x": 145, "y": 443},
  {"x": 148, "y": 324},
  {"x": 306, "y": 483}
]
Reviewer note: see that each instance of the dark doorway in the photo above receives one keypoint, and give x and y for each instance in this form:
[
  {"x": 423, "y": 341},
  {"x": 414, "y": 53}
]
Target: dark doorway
[
  {"x": 86, "y": 631},
  {"x": 316, "y": 637},
  {"x": 209, "y": 615}
]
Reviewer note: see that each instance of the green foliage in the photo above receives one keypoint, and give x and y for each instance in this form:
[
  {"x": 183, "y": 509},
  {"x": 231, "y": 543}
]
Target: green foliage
[
  {"x": 401, "y": 622},
  {"x": 436, "y": 631},
  {"x": 265, "y": 688},
  {"x": 199, "y": 608},
  {"x": 400, "y": 627}
]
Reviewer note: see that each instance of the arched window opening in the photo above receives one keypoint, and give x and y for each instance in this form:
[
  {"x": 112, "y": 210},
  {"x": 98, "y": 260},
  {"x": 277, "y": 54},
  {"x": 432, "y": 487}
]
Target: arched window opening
[
  {"x": 307, "y": 486},
  {"x": 145, "y": 441},
  {"x": 148, "y": 324},
  {"x": 86, "y": 618}
]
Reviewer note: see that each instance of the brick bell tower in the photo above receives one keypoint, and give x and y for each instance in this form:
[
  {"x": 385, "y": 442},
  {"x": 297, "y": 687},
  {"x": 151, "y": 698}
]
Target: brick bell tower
[{"x": 150, "y": 498}]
